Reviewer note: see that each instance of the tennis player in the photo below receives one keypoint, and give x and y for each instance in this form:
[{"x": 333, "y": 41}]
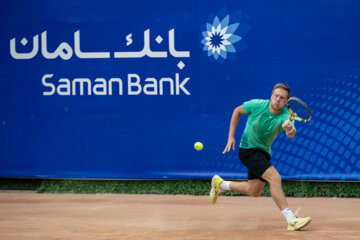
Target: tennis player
[{"x": 266, "y": 120}]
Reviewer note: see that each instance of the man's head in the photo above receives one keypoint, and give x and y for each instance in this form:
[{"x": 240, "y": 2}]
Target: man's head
[
  {"x": 279, "y": 97},
  {"x": 282, "y": 86}
]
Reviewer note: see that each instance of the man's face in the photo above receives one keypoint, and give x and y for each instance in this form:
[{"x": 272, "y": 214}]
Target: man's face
[{"x": 278, "y": 99}]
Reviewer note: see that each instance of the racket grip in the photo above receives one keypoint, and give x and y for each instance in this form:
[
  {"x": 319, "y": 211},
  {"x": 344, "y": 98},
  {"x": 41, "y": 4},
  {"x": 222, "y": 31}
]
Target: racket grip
[{"x": 292, "y": 130}]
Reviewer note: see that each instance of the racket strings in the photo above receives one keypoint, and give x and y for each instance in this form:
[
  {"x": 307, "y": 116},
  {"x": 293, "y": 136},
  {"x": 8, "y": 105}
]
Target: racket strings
[{"x": 299, "y": 110}]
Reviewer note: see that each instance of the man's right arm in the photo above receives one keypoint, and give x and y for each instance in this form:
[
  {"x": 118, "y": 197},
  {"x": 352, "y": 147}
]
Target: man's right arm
[{"x": 233, "y": 125}]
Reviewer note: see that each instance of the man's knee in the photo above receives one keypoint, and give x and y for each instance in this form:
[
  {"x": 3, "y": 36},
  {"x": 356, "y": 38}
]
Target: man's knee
[
  {"x": 272, "y": 176},
  {"x": 255, "y": 192},
  {"x": 276, "y": 179}
]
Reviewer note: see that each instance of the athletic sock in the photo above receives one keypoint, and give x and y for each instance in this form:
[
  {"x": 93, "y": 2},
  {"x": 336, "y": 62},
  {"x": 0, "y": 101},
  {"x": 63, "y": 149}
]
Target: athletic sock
[
  {"x": 288, "y": 214},
  {"x": 225, "y": 185}
]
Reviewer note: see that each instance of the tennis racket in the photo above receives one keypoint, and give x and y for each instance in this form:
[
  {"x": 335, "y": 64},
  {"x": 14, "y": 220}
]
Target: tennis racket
[{"x": 298, "y": 110}]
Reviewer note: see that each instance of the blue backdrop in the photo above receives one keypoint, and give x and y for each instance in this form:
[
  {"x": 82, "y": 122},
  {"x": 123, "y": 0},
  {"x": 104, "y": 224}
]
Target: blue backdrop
[{"x": 123, "y": 89}]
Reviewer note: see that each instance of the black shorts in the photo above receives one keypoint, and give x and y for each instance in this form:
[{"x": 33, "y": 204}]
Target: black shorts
[{"x": 257, "y": 162}]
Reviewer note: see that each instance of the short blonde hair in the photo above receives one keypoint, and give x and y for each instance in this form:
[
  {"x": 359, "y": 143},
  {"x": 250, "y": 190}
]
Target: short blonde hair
[{"x": 282, "y": 86}]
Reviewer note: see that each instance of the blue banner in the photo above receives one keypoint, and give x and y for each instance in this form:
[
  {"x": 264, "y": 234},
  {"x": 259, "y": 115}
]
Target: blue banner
[{"x": 123, "y": 89}]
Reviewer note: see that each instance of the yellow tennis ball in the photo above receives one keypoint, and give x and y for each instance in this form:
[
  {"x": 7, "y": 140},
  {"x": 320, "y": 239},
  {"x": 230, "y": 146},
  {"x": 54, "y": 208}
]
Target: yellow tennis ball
[{"x": 198, "y": 146}]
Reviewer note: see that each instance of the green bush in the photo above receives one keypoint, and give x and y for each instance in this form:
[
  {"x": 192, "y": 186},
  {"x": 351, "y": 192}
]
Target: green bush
[{"x": 188, "y": 187}]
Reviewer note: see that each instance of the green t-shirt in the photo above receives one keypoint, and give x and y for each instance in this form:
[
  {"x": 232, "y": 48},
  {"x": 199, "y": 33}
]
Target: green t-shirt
[{"x": 262, "y": 126}]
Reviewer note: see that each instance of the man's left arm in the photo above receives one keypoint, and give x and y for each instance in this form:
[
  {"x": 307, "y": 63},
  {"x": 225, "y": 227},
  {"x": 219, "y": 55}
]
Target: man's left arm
[{"x": 289, "y": 128}]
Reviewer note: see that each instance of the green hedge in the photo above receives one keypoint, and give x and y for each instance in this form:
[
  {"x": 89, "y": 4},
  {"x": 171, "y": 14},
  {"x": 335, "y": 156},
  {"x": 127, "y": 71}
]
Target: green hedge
[{"x": 189, "y": 187}]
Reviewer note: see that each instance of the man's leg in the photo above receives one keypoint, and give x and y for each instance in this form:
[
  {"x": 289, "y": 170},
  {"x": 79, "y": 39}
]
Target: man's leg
[
  {"x": 252, "y": 187},
  {"x": 272, "y": 176}
]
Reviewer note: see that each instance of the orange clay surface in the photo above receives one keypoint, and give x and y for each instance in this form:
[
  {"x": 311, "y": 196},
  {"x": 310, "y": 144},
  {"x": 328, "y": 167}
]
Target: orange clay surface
[{"x": 32, "y": 216}]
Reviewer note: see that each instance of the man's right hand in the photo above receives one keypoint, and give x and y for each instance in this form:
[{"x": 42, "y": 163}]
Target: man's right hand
[{"x": 230, "y": 143}]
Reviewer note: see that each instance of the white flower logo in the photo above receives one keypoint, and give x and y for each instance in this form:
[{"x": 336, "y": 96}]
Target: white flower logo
[{"x": 219, "y": 37}]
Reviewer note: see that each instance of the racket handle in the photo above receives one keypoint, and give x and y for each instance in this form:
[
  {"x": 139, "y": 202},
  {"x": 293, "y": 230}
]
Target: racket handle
[{"x": 292, "y": 130}]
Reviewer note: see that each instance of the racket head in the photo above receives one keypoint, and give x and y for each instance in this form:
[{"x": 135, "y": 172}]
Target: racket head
[{"x": 298, "y": 110}]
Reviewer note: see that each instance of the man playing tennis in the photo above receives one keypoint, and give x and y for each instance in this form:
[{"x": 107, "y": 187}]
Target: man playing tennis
[{"x": 266, "y": 120}]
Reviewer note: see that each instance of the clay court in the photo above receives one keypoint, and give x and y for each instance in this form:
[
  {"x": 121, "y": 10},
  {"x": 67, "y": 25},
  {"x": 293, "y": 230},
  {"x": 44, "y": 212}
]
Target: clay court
[{"x": 28, "y": 215}]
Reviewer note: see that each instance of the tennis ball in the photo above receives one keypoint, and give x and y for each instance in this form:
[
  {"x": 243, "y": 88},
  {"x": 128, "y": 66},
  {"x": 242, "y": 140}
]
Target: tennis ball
[{"x": 198, "y": 146}]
